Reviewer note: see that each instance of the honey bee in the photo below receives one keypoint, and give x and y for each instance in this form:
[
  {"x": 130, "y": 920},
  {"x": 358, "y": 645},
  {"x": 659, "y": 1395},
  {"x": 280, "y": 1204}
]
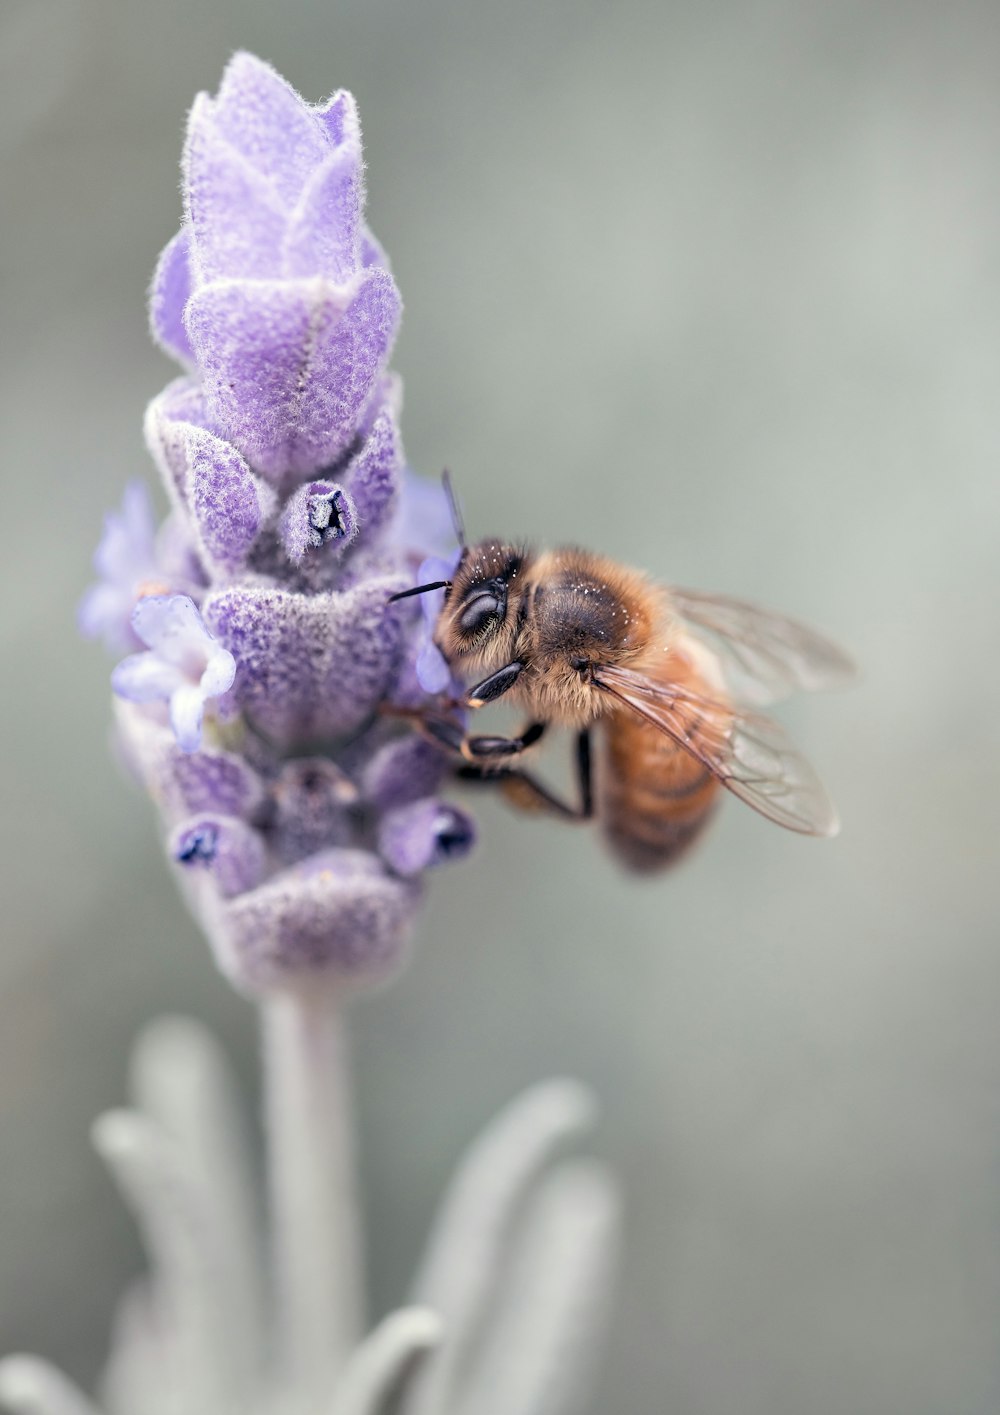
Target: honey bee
[{"x": 578, "y": 641}]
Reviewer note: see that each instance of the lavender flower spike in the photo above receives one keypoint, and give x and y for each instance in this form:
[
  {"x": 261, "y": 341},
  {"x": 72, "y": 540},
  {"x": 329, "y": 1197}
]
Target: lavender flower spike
[{"x": 255, "y": 715}]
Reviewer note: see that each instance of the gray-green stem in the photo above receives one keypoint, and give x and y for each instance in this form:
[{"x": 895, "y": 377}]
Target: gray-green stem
[{"x": 315, "y": 1214}]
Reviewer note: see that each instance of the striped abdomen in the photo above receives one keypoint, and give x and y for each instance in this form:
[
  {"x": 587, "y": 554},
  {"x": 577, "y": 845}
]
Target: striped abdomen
[{"x": 654, "y": 798}]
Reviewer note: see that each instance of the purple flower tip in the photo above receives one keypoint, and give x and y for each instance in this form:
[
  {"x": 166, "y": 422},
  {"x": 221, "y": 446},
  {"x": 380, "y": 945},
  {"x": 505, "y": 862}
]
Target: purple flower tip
[
  {"x": 425, "y": 834},
  {"x": 318, "y": 514},
  {"x": 197, "y": 845},
  {"x": 275, "y": 289},
  {"x": 229, "y": 850},
  {"x": 433, "y": 673},
  {"x": 183, "y": 667}
]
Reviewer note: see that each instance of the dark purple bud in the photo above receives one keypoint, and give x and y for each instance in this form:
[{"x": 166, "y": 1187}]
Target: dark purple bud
[
  {"x": 425, "y": 834},
  {"x": 320, "y": 513},
  {"x": 227, "y": 849},
  {"x": 312, "y": 800},
  {"x": 197, "y": 844}
]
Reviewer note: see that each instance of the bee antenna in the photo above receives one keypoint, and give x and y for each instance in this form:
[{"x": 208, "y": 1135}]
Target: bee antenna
[
  {"x": 454, "y": 507},
  {"x": 420, "y": 589}
]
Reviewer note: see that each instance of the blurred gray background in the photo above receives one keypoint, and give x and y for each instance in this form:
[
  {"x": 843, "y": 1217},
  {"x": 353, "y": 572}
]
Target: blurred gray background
[{"x": 714, "y": 288}]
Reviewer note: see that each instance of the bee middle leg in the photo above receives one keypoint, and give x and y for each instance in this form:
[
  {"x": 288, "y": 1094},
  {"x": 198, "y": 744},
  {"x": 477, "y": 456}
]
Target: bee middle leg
[
  {"x": 480, "y": 751},
  {"x": 524, "y": 791}
]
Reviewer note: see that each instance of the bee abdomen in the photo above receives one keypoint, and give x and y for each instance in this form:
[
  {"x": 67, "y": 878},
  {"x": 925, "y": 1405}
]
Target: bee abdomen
[{"x": 654, "y": 797}]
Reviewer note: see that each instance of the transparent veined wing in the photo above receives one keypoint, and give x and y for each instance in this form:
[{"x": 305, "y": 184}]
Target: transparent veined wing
[
  {"x": 765, "y": 656},
  {"x": 750, "y": 755}
]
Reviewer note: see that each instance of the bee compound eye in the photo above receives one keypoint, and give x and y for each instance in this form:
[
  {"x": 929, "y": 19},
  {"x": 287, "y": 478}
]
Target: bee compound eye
[{"x": 477, "y": 616}]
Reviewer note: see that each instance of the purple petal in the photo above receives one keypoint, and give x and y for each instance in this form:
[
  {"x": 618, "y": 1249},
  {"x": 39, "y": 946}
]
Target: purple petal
[
  {"x": 435, "y": 567},
  {"x": 186, "y": 664},
  {"x": 146, "y": 678},
  {"x": 289, "y": 366},
  {"x": 266, "y": 120},
  {"x": 425, "y": 834},
  {"x": 178, "y": 561},
  {"x": 125, "y": 552},
  {"x": 219, "y": 673},
  {"x": 309, "y": 666},
  {"x": 125, "y": 559},
  {"x": 230, "y": 505},
  {"x": 337, "y": 915},
  {"x": 319, "y": 514},
  {"x": 103, "y": 613},
  {"x": 403, "y": 771},
  {"x": 374, "y": 475},
  {"x": 227, "y": 849},
  {"x": 424, "y": 516},
  {"x": 169, "y": 293},
  {"x": 323, "y": 235},
  {"x": 187, "y": 711},
  {"x": 433, "y": 673},
  {"x": 172, "y": 626},
  {"x": 237, "y": 218}
]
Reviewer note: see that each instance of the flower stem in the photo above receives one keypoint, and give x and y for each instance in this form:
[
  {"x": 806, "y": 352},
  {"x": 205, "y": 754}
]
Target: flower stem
[{"x": 315, "y": 1215}]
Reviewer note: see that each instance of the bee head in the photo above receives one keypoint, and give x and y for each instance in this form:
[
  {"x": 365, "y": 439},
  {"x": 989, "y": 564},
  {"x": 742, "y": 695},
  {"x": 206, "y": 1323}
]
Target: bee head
[{"x": 477, "y": 625}]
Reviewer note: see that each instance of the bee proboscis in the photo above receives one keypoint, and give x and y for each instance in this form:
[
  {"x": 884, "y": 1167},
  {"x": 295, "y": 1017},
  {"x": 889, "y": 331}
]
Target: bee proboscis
[{"x": 671, "y": 678}]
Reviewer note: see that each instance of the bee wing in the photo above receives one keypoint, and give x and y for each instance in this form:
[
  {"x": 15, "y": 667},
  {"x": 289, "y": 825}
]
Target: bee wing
[
  {"x": 768, "y": 656},
  {"x": 749, "y": 754}
]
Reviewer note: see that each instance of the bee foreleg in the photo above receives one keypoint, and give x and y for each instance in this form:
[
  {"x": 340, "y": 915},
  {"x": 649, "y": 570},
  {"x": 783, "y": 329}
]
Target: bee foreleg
[{"x": 495, "y": 685}]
